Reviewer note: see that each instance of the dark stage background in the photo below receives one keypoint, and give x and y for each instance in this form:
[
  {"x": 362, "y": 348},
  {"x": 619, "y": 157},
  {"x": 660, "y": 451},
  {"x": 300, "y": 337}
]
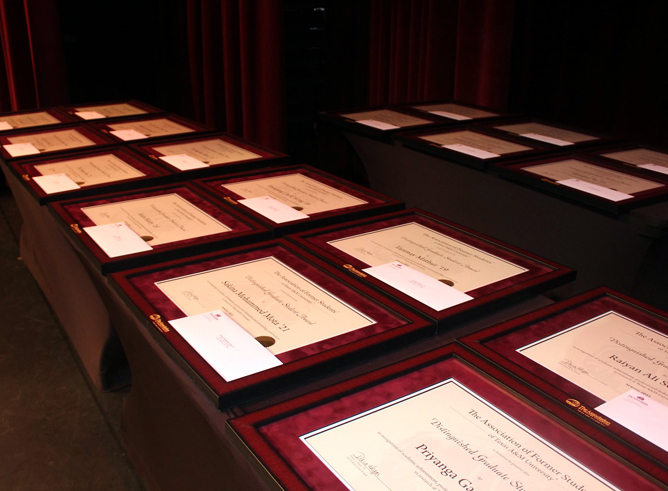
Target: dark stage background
[{"x": 262, "y": 69}]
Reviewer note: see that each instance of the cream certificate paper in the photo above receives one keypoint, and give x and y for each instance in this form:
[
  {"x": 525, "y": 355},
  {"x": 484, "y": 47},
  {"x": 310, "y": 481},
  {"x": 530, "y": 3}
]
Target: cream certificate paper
[
  {"x": 640, "y": 157},
  {"x": 28, "y": 120},
  {"x": 476, "y": 140},
  {"x": 389, "y": 117},
  {"x": 607, "y": 356},
  {"x": 113, "y": 110},
  {"x": 427, "y": 251},
  {"x": 298, "y": 191},
  {"x": 54, "y": 140},
  {"x": 445, "y": 437},
  {"x": 457, "y": 110},
  {"x": 153, "y": 127},
  {"x": 90, "y": 171},
  {"x": 549, "y": 131},
  {"x": 158, "y": 219},
  {"x": 269, "y": 300},
  {"x": 211, "y": 152},
  {"x": 601, "y": 176}
]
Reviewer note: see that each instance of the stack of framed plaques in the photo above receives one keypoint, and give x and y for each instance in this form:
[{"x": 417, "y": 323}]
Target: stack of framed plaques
[
  {"x": 246, "y": 321},
  {"x": 470, "y": 146},
  {"x": 381, "y": 122},
  {"x": 444, "y": 420},
  {"x": 105, "y": 110},
  {"x": 154, "y": 224},
  {"x": 26, "y": 144},
  {"x": 436, "y": 267},
  {"x": 590, "y": 181},
  {"x": 551, "y": 135},
  {"x": 601, "y": 355},
  {"x": 215, "y": 153},
  {"x": 296, "y": 198},
  {"x": 21, "y": 120},
  {"x": 81, "y": 174},
  {"x": 148, "y": 126},
  {"x": 642, "y": 158}
]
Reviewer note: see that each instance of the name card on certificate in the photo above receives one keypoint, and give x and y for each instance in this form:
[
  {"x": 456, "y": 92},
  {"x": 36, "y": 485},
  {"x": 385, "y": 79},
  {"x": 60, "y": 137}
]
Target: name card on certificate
[
  {"x": 56, "y": 183},
  {"x": 90, "y": 115},
  {"x": 21, "y": 149},
  {"x": 117, "y": 239},
  {"x": 273, "y": 209},
  {"x": 226, "y": 346},
  {"x": 420, "y": 286},
  {"x": 184, "y": 162},
  {"x": 128, "y": 135},
  {"x": 641, "y": 414}
]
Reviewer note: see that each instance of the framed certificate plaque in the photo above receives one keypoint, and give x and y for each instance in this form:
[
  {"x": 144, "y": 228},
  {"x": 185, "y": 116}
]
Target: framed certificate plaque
[
  {"x": 380, "y": 122},
  {"x": 22, "y": 120},
  {"x": 85, "y": 173},
  {"x": 601, "y": 355},
  {"x": 456, "y": 112},
  {"x": 650, "y": 160},
  {"x": 469, "y": 146},
  {"x": 296, "y": 198},
  {"x": 449, "y": 271},
  {"x": 211, "y": 154},
  {"x": 590, "y": 181},
  {"x": 65, "y": 138},
  {"x": 551, "y": 135},
  {"x": 250, "y": 320},
  {"x": 444, "y": 420},
  {"x": 148, "y": 127},
  {"x": 110, "y": 110},
  {"x": 124, "y": 230}
]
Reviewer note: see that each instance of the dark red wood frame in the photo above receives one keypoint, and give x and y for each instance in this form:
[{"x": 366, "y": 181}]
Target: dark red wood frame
[
  {"x": 26, "y": 171},
  {"x": 498, "y": 343},
  {"x": 394, "y": 325},
  {"x": 72, "y": 108},
  {"x": 267, "y": 157},
  {"x": 335, "y": 403},
  {"x": 518, "y": 172},
  {"x": 97, "y": 137},
  {"x": 545, "y": 275},
  {"x": 72, "y": 220},
  {"x": 377, "y": 203}
]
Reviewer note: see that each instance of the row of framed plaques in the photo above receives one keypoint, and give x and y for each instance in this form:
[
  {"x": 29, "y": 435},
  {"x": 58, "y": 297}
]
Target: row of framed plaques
[
  {"x": 446, "y": 419},
  {"x": 187, "y": 218},
  {"x": 314, "y": 299},
  {"x": 116, "y": 167}
]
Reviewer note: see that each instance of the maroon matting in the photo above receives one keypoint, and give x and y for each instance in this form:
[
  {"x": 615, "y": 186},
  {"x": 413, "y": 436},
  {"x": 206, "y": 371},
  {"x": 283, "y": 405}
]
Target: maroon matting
[
  {"x": 541, "y": 275},
  {"x": 270, "y": 437},
  {"x": 500, "y": 344},
  {"x": 391, "y": 321},
  {"x": 375, "y": 203}
]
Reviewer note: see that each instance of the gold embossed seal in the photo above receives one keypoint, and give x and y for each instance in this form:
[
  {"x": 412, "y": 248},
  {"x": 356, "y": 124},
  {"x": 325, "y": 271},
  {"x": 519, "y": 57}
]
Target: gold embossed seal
[{"x": 265, "y": 341}]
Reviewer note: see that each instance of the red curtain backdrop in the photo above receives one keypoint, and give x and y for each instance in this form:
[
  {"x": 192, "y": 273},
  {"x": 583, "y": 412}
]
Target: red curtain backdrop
[
  {"x": 236, "y": 67},
  {"x": 32, "y": 65},
  {"x": 424, "y": 50}
]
